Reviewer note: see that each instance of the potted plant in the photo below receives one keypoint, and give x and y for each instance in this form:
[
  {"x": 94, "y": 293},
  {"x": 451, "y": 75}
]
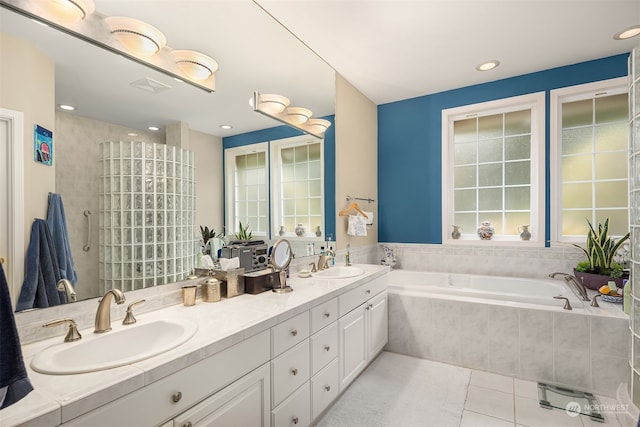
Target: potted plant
[
  {"x": 600, "y": 266},
  {"x": 243, "y": 233},
  {"x": 207, "y": 235}
]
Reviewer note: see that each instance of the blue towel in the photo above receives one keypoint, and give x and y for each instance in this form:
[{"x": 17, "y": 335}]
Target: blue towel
[
  {"x": 57, "y": 221},
  {"x": 41, "y": 271},
  {"x": 14, "y": 383}
]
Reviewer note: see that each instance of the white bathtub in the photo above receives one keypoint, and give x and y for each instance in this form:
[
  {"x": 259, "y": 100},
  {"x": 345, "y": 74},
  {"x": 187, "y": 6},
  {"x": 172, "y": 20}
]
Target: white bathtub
[{"x": 501, "y": 290}]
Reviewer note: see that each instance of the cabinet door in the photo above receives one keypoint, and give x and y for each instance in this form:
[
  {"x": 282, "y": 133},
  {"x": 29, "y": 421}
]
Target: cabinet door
[
  {"x": 378, "y": 324},
  {"x": 353, "y": 346},
  {"x": 243, "y": 403}
]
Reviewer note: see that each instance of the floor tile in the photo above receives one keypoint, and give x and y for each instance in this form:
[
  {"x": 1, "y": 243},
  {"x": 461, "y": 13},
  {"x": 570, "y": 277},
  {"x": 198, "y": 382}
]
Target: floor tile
[
  {"x": 492, "y": 381},
  {"x": 474, "y": 419},
  {"x": 490, "y": 402},
  {"x": 530, "y": 414},
  {"x": 524, "y": 388}
]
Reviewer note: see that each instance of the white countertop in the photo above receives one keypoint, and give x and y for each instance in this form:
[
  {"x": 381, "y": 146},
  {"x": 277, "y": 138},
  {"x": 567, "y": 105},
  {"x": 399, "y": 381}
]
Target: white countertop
[{"x": 60, "y": 398}]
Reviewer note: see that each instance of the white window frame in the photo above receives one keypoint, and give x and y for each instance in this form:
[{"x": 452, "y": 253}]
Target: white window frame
[
  {"x": 557, "y": 97},
  {"x": 535, "y": 102},
  {"x": 230, "y": 178},
  {"x": 276, "y": 187}
]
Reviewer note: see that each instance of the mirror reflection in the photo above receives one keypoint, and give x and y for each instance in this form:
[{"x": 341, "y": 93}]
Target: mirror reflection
[{"x": 116, "y": 101}]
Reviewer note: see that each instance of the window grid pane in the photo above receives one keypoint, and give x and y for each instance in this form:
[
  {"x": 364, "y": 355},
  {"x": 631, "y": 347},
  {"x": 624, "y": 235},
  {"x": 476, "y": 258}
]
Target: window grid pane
[
  {"x": 594, "y": 163},
  {"x": 251, "y": 192},
  {"x": 492, "y": 172}
]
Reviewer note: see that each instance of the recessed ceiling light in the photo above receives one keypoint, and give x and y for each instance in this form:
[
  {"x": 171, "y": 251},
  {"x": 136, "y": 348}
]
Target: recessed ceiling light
[
  {"x": 67, "y": 107},
  {"x": 627, "y": 33},
  {"x": 226, "y": 127},
  {"x": 154, "y": 128},
  {"x": 488, "y": 65}
]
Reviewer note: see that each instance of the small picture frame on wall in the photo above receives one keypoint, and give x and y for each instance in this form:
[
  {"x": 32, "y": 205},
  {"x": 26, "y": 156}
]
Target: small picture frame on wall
[{"x": 43, "y": 146}]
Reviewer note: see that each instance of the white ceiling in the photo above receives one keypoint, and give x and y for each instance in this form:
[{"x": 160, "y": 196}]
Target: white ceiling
[{"x": 389, "y": 49}]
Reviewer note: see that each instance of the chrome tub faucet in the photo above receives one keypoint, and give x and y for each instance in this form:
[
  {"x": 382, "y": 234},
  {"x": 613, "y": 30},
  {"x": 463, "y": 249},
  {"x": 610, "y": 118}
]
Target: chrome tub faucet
[{"x": 573, "y": 281}]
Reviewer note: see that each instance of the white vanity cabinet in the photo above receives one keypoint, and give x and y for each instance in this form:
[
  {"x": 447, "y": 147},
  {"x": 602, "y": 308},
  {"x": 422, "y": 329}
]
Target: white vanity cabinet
[
  {"x": 179, "y": 392},
  {"x": 362, "y": 328}
]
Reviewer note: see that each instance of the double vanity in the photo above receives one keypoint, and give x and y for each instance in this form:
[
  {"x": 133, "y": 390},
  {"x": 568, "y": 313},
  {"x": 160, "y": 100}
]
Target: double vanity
[{"x": 261, "y": 360}]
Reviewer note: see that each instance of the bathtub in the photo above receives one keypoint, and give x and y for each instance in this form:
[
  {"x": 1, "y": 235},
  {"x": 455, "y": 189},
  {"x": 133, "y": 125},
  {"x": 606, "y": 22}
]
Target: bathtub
[{"x": 500, "y": 290}]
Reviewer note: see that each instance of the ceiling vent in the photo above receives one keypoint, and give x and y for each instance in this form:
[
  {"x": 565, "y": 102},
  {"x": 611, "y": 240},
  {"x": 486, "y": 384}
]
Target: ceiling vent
[{"x": 149, "y": 85}]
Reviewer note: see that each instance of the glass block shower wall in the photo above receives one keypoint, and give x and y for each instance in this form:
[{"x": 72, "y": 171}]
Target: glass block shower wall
[
  {"x": 147, "y": 214},
  {"x": 634, "y": 220}
]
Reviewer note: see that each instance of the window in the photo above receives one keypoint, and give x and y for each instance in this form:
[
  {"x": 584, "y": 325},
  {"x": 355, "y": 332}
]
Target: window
[
  {"x": 247, "y": 189},
  {"x": 296, "y": 193},
  {"x": 493, "y": 156},
  {"x": 589, "y": 157},
  {"x": 297, "y": 173}
]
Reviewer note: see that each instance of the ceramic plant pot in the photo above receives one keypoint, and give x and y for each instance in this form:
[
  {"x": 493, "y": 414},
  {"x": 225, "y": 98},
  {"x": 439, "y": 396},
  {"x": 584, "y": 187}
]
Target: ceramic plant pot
[{"x": 594, "y": 281}]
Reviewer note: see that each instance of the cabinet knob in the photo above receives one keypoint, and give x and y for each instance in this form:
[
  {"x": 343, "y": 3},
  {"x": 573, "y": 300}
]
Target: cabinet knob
[
  {"x": 327, "y": 314},
  {"x": 368, "y": 307},
  {"x": 294, "y": 371},
  {"x": 177, "y": 397},
  {"x": 368, "y": 291},
  {"x": 327, "y": 348},
  {"x": 187, "y": 424},
  {"x": 294, "y": 332},
  {"x": 327, "y": 387},
  {"x": 295, "y": 420}
]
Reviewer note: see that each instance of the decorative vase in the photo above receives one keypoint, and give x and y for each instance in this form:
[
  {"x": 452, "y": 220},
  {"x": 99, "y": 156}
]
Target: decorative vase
[
  {"x": 281, "y": 232},
  {"x": 595, "y": 281},
  {"x": 455, "y": 234},
  {"x": 300, "y": 230},
  {"x": 318, "y": 231},
  {"x": 486, "y": 230},
  {"x": 525, "y": 234}
]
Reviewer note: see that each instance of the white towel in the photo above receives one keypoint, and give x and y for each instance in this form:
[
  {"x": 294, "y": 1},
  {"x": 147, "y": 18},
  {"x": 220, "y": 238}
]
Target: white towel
[
  {"x": 369, "y": 219},
  {"x": 357, "y": 226}
]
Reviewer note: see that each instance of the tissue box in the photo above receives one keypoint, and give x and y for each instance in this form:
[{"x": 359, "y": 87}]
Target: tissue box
[{"x": 260, "y": 281}]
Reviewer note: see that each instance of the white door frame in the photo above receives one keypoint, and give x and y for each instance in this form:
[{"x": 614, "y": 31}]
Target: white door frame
[{"x": 16, "y": 235}]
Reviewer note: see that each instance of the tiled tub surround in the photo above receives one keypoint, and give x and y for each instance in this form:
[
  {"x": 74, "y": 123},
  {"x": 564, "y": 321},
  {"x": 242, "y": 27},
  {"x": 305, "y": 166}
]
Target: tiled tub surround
[
  {"x": 57, "y": 399},
  {"x": 586, "y": 348}
]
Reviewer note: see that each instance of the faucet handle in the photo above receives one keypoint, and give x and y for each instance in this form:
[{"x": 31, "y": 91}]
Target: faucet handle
[
  {"x": 72, "y": 333},
  {"x": 594, "y": 301},
  {"x": 567, "y": 305},
  {"x": 129, "y": 318}
]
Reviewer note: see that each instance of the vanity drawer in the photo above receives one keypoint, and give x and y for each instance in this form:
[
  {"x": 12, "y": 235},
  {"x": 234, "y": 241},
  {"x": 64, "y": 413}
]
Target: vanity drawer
[
  {"x": 295, "y": 411},
  {"x": 350, "y": 300},
  {"x": 324, "y": 347},
  {"x": 324, "y": 389},
  {"x": 322, "y": 315},
  {"x": 289, "y": 371},
  {"x": 289, "y": 333}
]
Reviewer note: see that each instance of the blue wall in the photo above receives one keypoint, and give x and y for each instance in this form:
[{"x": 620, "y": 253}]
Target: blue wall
[
  {"x": 283, "y": 131},
  {"x": 409, "y": 146}
]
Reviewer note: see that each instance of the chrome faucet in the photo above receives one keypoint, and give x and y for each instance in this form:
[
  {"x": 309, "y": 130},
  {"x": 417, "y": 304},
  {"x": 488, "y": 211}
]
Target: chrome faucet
[
  {"x": 574, "y": 283},
  {"x": 323, "y": 262},
  {"x": 103, "y": 315},
  {"x": 65, "y": 286}
]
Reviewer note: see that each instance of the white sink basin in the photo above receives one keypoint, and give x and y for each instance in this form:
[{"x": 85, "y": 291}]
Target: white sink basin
[
  {"x": 120, "y": 347},
  {"x": 340, "y": 272}
]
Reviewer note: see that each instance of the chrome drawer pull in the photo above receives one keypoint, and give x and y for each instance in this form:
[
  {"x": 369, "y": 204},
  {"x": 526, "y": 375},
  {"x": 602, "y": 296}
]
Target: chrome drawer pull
[
  {"x": 327, "y": 387},
  {"x": 294, "y": 371},
  {"x": 327, "y": 348},
  {"x": 295, "y": 420},
  {"x": 327, "y": 314},
  {"x": 294, "y": 332},
  {"x": 177, "y": 397}
]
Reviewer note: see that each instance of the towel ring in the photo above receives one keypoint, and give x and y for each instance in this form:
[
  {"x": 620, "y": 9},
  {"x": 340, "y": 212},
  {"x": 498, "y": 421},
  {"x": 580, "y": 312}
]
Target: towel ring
[{"x": 87, "y": 247}]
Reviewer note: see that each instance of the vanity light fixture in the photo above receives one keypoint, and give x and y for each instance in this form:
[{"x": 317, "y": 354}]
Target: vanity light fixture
[
  {"x": 277, "y": 107},
  {"x": 69, "y": 11},
  {"x": 488, "y": 65},
  {"x": 67, "y": 107},
  {"x": 139, "y": 38},
  {"x": 627, "y": 33},
  {"x": 195, "y": 65}
]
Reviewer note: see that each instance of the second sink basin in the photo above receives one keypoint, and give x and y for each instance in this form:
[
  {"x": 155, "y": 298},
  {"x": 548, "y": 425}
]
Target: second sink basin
[
  {"x": 340, "y": 272},
  {"x": 115, "y": 348}
]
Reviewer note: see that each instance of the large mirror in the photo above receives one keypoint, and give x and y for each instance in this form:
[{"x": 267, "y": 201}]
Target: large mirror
[{"x": 116, "y": 97}]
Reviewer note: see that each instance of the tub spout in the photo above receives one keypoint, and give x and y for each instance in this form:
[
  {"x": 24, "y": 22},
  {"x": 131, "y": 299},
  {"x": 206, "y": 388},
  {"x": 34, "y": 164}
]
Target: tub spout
[{"x": 574, "y": 283}]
